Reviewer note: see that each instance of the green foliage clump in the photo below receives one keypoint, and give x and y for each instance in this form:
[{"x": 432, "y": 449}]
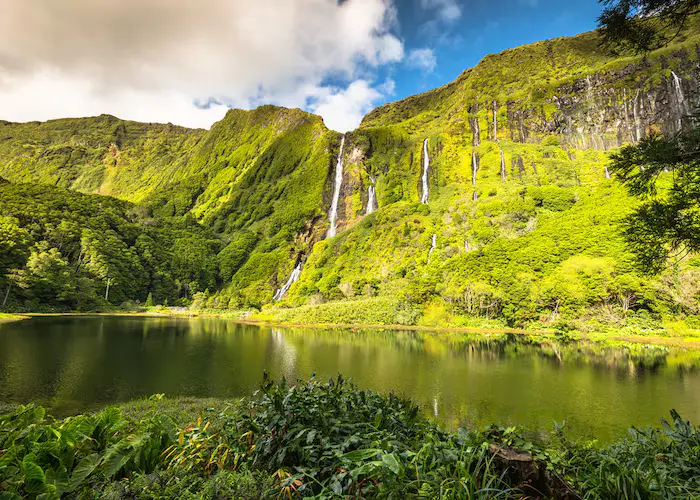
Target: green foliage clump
[
  {"x": 43, "y": 458},
  {"x": 370, "y": 311},
  {"x": 324, "y": 440}
]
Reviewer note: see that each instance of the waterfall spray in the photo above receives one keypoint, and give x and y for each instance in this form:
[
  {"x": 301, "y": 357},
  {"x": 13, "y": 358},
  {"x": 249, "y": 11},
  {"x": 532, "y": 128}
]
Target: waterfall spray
[
  {"x": 426, "y": 165},
  {"x": 333, "y": 215}
]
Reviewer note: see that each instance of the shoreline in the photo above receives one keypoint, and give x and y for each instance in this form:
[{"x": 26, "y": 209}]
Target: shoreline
[
  {"x": 11, "y": 318},
  {"x": 690, "y": 343}
]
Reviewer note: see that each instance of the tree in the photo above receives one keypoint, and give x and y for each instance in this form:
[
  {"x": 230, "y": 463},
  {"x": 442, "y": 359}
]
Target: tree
[
  {"x": 49, "y": 278},
  {"x": 664, "y": 172},
  {"x": 665, "y": 175},
  {"x": 644, "y": 25}
]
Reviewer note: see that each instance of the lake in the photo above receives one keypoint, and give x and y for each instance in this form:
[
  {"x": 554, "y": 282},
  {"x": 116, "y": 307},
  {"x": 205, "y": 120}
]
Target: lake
[{"x": 75, "y": 364}]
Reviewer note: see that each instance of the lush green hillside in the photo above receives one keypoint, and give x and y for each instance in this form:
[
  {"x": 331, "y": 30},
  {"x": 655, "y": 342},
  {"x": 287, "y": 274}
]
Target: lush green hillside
[
  {"x": 520, "y": 205},
  {"x": 102, "y": 155},
  {"x": 256, "y": 178},
  {"x": 59, "y": 250}
]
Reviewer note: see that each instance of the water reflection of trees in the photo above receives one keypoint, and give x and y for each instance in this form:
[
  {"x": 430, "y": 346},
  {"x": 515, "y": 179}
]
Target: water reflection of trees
[{"x": 626, "y": 359}]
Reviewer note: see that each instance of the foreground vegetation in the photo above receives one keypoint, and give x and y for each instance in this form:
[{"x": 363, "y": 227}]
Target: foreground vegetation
[{"x": 325, "y": 440}]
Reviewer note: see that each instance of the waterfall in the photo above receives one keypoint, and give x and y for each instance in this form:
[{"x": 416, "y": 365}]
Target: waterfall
[
  {"x": 607, "y": 172},
  {"x": 495, "y": 121},
  {"x": 432, "y": 247},
  {"x": 371, "y": 198},
  {"x": 426, "y": 166},
  {"x": 281, "y": 292},
  {"x": 333, "y": 215},
  {"x": 627, "y": 116},
  {"x": 475, "y": 167},
  {"x": 680, "y": 99},
  {"x": 503, "y": 166},
  {"x": 637, "y": 121}
]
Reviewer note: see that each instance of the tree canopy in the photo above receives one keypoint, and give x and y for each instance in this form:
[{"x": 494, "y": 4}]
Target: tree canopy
[{"x": 644, "y": 25}]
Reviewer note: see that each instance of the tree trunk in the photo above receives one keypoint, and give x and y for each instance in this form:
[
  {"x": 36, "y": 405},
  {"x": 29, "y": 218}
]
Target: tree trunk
[{"x": 7, "y": 294}]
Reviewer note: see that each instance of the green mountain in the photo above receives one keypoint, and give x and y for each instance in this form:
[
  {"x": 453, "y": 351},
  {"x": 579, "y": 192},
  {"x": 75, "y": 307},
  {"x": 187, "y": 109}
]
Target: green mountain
[{"x": 486, "y": 201}]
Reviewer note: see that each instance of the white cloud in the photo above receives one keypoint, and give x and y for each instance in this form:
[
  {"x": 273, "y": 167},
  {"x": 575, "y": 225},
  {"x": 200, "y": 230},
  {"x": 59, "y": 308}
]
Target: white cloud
[
  {"x": 343, "y": 109},
  {"x": 423, "y": 59},
  {"x": 447, "y": 10},
  {"x": 152, "y": 59}
]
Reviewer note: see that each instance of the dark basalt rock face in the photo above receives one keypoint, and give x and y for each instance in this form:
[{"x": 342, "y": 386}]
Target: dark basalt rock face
[{"x": 605, "y": 110}]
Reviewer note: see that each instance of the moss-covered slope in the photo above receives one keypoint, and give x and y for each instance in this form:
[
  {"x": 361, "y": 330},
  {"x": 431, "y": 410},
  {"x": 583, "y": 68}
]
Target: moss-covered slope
[{"x": 522, "y": 221}]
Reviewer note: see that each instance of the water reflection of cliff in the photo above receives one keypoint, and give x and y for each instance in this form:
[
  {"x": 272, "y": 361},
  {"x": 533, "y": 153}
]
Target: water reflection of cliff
[{"x": 633, "y": 359}]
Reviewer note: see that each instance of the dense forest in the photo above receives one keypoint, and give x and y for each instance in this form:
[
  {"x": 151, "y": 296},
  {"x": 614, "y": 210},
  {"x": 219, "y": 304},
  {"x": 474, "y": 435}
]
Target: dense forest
[
  {"x": 65, "y": 250},
  {"x": 501, "y": 199}
]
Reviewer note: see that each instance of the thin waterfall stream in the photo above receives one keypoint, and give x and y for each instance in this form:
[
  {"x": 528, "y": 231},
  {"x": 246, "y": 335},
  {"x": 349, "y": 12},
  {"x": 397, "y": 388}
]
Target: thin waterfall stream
[
  {"x": 293, "y": 278},
  {"x": 333, "y": 214},
  {"x": 426, "y": 165},
  {"x": 432, "y": 246}
]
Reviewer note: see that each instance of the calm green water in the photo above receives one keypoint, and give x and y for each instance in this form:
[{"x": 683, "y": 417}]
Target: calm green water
[{"x": 80, "y": 363}]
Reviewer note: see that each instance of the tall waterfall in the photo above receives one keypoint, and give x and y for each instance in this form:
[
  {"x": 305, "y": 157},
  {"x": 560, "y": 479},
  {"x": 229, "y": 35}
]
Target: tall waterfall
[
  {"x": 281, "y": 292},
  {"x": 432, "y": 247},
  {"x": 333, "y": 215},
  {"x": 607, "y": 172},
  {"x": 371, "y": 198},
  {"x": 495, "y": 121},
  {"x": 637, "y": 121},
  {"x": 627, "y": 118},
  {"x": 680, "y": 99},
  {"x": 426, "y": 165},
  {"x": 503, "y": 166},
  {"x": 475, "y": 167}
]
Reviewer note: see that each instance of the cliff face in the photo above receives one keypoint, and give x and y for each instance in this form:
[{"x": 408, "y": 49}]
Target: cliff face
[{"x": 504, "y": 113}]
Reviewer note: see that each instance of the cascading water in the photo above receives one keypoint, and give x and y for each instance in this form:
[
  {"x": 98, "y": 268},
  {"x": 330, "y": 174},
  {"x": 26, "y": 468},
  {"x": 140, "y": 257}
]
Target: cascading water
[
  {"x": 426, "y": 165},
  {"x": 495, "y": 121},
  {"x": 636, "y": 112},
  {"x": 432, "y": 247},
  {"x": 333, "y": 215},
  {"x": 503, "y": 167},
  {"x": 680, "y": 99},
  {"x": 292, "y": 279},
  {"x": 371, "y": 198},
  {"x": 627, "y": 116},
  {"x": 607, "y": 172},
  {"x": 475, "y": 167}
]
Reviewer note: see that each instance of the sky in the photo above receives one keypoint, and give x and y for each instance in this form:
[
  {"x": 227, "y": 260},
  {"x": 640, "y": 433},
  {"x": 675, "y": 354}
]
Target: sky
[{"x": 186, "y": 62}]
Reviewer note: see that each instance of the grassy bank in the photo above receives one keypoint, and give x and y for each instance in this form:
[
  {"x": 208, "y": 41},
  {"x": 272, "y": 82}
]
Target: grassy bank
[
  {"x": 297, "y": 317},
  {"x": 7, "y": 318},
  {"x": 325, "y": 440}
]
